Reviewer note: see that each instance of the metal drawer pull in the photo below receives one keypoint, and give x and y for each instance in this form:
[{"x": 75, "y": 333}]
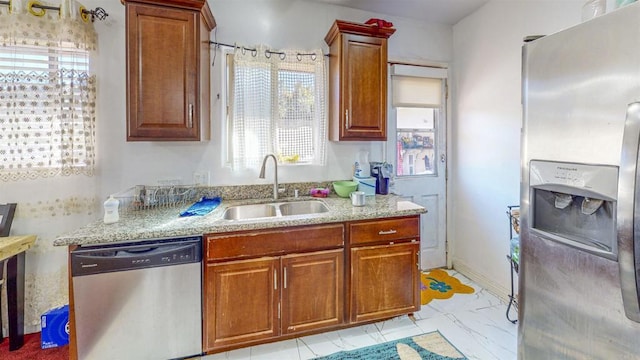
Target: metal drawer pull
[
  {"x": 388, "y": 232},
  {"x": 284, "y": 280}
]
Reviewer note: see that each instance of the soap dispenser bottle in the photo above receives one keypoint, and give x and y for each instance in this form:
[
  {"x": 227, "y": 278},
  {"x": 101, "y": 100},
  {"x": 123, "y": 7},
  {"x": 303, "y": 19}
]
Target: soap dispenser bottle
[{"x": 111, "y": 210}]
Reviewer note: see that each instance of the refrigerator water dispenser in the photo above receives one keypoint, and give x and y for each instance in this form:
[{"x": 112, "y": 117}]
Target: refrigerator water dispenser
[{"x": 575, "y": 204}]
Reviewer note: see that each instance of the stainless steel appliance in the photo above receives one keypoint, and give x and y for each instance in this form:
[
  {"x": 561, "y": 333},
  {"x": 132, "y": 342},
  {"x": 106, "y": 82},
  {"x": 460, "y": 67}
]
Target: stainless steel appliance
[
  {"x": 139, "y": 300},
  {"x": 580, "y": 208}
]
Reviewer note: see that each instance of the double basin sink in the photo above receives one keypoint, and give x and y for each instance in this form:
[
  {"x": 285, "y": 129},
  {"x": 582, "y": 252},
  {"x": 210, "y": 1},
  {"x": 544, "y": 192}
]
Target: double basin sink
[{"x": 257, "y": 211}]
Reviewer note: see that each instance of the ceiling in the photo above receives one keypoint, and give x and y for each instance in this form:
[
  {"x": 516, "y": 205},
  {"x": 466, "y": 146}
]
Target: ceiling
[{"x": 440, "y": 11}]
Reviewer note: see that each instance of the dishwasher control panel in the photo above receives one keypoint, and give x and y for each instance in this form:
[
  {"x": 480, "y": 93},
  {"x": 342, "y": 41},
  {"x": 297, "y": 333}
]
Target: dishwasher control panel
[{"x": 135, "y": 255}]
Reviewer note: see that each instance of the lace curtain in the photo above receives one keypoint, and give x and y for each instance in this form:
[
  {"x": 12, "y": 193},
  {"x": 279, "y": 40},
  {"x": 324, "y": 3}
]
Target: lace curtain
[
  {"x": 47, "y": 101},
  {"x": 47, "y": 117},
  {"x": 277, "y": 106}
]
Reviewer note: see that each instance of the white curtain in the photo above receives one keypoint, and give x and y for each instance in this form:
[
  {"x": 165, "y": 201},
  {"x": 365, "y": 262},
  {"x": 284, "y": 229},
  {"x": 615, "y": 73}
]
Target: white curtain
[
  {"x": 47, "y": 119},
  {"x": 277, "y": 105},
  {"x": 48, "y": 102}
]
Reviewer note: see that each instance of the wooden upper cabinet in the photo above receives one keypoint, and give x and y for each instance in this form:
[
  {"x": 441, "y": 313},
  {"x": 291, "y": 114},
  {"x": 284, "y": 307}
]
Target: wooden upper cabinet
[
  {"x": 357, "y": 81},
  {"x": 168, "y": 70}
]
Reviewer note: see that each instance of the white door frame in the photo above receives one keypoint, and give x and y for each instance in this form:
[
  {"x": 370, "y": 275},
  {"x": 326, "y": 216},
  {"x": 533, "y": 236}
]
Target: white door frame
[{"x": 434, "y": 247}]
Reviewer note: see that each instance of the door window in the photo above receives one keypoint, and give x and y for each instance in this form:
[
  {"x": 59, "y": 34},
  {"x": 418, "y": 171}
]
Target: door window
[{"x": 415, "y": 141}]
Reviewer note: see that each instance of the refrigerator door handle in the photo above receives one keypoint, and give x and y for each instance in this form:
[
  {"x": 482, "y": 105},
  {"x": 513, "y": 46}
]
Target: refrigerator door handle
[{"x": 628, "y": 205}]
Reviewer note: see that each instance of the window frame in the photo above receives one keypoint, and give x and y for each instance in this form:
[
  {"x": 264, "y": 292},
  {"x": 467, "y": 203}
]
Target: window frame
[{"x": 318, "y": 133}]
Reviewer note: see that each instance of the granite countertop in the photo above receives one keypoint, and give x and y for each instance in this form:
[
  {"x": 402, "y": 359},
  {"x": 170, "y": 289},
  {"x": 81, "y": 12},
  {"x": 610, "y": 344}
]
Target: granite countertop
[{"x": 166, "y": 222}]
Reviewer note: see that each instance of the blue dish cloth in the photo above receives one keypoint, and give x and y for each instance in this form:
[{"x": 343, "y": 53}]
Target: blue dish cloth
[{"x": 202, "y": 207}]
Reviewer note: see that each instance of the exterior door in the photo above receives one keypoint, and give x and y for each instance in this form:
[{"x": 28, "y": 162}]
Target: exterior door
[{"x": 416, "y": 147}]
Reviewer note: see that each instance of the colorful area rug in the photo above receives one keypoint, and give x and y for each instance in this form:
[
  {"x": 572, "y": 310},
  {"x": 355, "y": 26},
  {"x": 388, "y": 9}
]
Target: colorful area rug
[
  {"x": 438, "y": 284},
  {"x": 430, "y": 346},
  {"x": 31, "y": 350}
]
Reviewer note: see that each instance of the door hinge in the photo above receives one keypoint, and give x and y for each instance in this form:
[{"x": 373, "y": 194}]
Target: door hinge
[{"x": 446, "y": 89}]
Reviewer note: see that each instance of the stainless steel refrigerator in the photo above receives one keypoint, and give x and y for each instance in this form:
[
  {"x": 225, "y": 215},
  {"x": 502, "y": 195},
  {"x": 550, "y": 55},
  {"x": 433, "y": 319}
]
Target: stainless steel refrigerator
[{"x": 579, "y": 284}]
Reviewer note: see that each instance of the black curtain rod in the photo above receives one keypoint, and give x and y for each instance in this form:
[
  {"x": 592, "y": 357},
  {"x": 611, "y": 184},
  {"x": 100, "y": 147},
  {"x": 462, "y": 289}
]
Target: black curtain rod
[
  {"x": 255, "y": 51},
  {"x": 98, "y": 12}
]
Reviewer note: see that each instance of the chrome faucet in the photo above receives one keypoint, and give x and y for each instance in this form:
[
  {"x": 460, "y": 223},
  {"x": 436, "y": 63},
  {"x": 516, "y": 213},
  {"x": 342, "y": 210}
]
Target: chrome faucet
[{"x": 275, "y": 181}]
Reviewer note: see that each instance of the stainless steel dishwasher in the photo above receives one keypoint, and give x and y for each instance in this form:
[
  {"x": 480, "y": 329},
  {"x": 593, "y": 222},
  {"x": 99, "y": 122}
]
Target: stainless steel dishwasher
[{"x": 139, "y": 300}]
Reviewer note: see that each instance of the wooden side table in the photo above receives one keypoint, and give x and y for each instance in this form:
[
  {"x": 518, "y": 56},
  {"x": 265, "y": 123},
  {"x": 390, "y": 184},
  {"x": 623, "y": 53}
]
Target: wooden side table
[{"x": 12, "y": 249}]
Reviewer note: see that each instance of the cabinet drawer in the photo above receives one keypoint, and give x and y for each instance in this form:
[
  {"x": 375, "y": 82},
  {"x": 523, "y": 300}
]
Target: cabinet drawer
[
  {"x": 274, "y": 242},
  {"x": 364, "y": 232}
]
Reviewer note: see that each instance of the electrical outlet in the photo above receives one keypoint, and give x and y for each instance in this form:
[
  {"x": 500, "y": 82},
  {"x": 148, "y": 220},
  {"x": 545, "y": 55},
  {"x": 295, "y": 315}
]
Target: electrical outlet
[
  {"x": 201, "y": 178},
  {"x": 170, "y": 182}
]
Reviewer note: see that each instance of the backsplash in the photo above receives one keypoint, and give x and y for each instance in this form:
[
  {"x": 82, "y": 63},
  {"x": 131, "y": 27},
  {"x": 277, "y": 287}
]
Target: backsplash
[
  {"x": 147, "y": 197},
  {"x": 243, "y": 192}
]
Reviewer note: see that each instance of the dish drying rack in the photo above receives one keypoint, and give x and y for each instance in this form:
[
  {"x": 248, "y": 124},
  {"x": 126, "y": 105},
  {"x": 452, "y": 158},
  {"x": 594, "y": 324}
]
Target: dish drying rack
[{"x": 144, "y": 197}]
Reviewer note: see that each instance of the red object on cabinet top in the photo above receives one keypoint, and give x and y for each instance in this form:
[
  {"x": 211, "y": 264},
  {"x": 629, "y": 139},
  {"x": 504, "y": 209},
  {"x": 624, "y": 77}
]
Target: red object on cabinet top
[{"x": 379, "y": 23}]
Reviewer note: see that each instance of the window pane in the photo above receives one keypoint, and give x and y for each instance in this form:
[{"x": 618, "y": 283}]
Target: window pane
[
  {"x": 415, "y": 141},
  {"x": 46, "y": 108},
  {"x": 296, "y": 107}
]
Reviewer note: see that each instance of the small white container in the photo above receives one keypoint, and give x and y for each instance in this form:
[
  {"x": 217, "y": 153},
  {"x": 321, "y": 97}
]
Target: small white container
[{"x": 111, "y": 210}]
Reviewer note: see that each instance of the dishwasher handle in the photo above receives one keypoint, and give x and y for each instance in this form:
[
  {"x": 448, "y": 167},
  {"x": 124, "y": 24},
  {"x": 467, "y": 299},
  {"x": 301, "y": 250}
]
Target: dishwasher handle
[
  {"x": 96, "y": 260},
  {"x": 141, "y": 252}
]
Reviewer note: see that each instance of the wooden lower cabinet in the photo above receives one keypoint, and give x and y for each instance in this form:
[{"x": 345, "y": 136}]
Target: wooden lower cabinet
[
  {"x": 241, "y": 301},
  {"x": 254, "y": 299},
  {"x": 384, "y": 281},
  {"x": 312, "y": 291},
  {"x": 266, "y": 285}
]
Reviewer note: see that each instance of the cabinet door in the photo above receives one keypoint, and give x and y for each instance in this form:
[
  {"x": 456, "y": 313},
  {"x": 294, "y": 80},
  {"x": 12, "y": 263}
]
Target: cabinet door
[
  {"x": 162, "y": 73},
  {"x": 364, "y": 88},
  {"x": 312, "y": 291},
  {"x": 241, "y": 302},
  {"x": 384, "y": 281}
]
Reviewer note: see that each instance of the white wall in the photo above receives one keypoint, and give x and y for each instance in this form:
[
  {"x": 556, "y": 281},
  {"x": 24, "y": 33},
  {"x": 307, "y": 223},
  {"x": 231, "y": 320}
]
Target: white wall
[
  {"x": 276, "y": 23},
  {"x": 485, "y": 160}
]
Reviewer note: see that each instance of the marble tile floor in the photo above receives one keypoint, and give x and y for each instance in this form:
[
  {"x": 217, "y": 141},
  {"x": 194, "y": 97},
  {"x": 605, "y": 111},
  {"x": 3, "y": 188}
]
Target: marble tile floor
[{"x": 473, "y": 323}]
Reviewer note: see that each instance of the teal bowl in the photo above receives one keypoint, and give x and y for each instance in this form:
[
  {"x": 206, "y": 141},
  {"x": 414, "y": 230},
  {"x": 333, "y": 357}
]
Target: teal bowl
[{"x": 345, "y": 188}]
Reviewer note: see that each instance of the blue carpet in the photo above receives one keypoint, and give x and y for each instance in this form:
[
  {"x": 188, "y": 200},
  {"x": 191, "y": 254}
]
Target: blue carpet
[{"x": 430, "y": 346}]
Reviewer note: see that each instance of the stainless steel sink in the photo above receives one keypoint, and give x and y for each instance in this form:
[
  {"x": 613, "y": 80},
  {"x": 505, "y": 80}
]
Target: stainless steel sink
[
  {"x": 257, "y": 211},
  {"x": 242, "y": 212},
  {"x": 303, "y": 207}
]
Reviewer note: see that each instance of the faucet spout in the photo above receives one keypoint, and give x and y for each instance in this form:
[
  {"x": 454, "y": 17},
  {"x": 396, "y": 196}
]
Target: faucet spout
[{"x": 275, "y": 181}]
